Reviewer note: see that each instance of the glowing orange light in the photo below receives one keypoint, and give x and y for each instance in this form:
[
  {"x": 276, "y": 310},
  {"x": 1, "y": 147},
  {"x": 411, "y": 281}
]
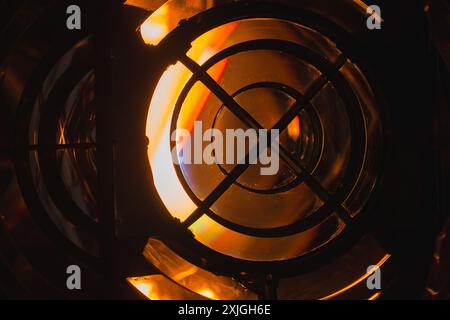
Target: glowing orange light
[
  {"x": 169, "y": 88},
  {"x": 62, "y": 136},
  {"x": 359, "y": 280},
  {"x": 375, "y": 296},
  {"x": 155, "y": 29},
  {"x": 158, "y": 287},
  {"x": 152, "y": 32},
  {"x": 212, "y": 234},
  {"x": 181, "y": 277},
  {"x": 294, "y": 129},
  {"x": 364, "y": 8},
  {"x": 208, "y": 294},
  {"x": 199, "y": 97},
  {"x": 144, "y": 288}
]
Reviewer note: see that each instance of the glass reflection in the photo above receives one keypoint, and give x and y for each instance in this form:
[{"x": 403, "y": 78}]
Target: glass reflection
[{"x": 192, "y": 277}]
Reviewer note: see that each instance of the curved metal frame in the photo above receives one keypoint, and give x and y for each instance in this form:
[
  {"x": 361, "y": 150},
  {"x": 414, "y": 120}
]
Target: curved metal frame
[{"x": 177, "y": 43}]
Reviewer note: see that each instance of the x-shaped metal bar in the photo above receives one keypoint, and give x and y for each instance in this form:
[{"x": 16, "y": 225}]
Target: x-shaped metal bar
[{"x": 249, "y": 121}]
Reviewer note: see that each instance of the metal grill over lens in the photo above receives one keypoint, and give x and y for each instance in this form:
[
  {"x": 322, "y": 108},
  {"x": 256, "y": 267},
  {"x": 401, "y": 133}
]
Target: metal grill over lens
[{"x": 267, "y": 74}]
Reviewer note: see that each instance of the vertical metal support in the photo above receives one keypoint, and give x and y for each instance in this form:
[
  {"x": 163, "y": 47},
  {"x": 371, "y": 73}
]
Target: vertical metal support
[{"x": 104, "y": 40}]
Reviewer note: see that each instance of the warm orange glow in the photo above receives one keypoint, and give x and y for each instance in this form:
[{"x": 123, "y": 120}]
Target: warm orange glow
[
  {"x": 375, "y": 296},
  {"x": 359, "y": 280},
  {"x": 148, "y": 5},
  {"x": 159, "y": 119},
  {"x": 198, "y": 98},
  {"x": 145, "y": 289},
  {"x": 155, "y": 29},
  {"x": 208, "y": 294},
  {"x": 432, "y": 292},
  {"x": 145, "y": 286},
  {"x": 294, "y": 129},
  {"x": 364, "y": 8},
  {"x": 62, "y": 136},
  {"x": 237, "y": 245},
  {"x": 176, "y": 200},
  {"x": 188, "y": 277},
  {"x": 158, "y": 287},
  {"x": 172, "y": 193},
  {"x": 152, "y": 32},
  {"x": 167, "y": 16}
]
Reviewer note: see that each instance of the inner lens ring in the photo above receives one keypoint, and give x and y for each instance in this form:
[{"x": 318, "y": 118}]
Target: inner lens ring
[
  {"x": 298, "y": 51},
  {"x": 297, "y": 96}
]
